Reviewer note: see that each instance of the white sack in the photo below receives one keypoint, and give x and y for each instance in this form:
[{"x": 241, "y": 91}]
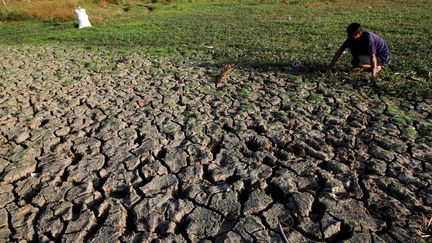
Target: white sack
[{"x": 83, "y": 20}]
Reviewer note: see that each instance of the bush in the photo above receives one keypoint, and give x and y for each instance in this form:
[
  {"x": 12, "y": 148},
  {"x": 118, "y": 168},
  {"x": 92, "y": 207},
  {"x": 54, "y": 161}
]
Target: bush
[{"x": 10, "y": 14}]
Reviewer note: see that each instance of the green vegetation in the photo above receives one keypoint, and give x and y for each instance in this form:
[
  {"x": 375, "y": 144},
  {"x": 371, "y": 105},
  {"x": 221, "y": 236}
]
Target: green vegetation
[
  {"x": 410, "y": 132},
  {"x": 314, "y": 97},
  {"x": 281, "y": 116},
  {"x": 400, "y": 116},
  {"x": 248, "y": 107},
  {"x": 110, "y": 121},
  {"x": 244, "y": 94},
  {"x": 191, "y": 113},
  {"x": 389, "y": 181},
  {"x": 425, "y": 130},
  {"x": 266, "y": 34}
]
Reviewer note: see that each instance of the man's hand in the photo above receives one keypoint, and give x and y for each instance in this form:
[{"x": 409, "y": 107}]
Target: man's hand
[
  {"x": 374, "y": 72},
  {"x": 335, "y": 59}
]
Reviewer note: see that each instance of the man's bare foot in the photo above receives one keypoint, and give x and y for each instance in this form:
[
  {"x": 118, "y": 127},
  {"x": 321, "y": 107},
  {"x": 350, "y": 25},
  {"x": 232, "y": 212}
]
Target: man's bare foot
[{"x": 357, "y": 69}]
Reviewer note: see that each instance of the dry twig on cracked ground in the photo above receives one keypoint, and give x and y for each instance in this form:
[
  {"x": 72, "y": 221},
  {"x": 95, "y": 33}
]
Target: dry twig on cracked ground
[{"x": 226, "y": 71}]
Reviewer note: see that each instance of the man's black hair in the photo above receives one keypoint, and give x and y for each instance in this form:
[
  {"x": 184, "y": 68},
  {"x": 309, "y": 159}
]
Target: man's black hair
[{"x": 353, "y": 29}]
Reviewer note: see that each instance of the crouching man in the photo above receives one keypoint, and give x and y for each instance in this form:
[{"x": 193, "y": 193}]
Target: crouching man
[{"x": 369, "y": 51}]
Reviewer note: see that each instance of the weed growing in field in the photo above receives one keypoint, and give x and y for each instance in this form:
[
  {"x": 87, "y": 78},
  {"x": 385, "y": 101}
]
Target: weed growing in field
[{"x": 314, "y": 97}]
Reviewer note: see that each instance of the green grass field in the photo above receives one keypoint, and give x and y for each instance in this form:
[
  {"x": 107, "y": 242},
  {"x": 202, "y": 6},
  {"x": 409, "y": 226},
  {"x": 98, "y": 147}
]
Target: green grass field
[{"x": 266, "y": 34}]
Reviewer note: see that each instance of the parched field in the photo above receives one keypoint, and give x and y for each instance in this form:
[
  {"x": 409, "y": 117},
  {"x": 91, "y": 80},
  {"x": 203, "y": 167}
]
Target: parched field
[
  {"x": 125, "y": 147},
  {"x": 108, "y": 144}
]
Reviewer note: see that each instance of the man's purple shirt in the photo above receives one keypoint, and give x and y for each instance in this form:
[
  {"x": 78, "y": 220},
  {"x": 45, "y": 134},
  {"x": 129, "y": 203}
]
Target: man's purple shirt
[{"x": 368, "y": 43}]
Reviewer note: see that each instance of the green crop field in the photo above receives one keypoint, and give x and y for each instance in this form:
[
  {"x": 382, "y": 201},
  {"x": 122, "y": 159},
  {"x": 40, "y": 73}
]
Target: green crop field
[{"x": 264, "y": 34}]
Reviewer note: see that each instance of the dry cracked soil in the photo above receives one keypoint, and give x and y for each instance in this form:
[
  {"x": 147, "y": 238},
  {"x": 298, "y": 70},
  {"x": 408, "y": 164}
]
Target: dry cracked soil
[{"x": 103, "y": 147}]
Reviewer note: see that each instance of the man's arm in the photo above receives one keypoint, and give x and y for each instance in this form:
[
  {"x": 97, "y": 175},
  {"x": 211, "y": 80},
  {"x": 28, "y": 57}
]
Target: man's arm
[
  {"x": 336, "y": 57},
  {"x": 373, "y": 62}
]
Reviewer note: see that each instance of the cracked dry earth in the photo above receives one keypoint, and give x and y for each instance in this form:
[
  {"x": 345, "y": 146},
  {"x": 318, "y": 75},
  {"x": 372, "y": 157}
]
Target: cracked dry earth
[{"x": 102, "y": 147}]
